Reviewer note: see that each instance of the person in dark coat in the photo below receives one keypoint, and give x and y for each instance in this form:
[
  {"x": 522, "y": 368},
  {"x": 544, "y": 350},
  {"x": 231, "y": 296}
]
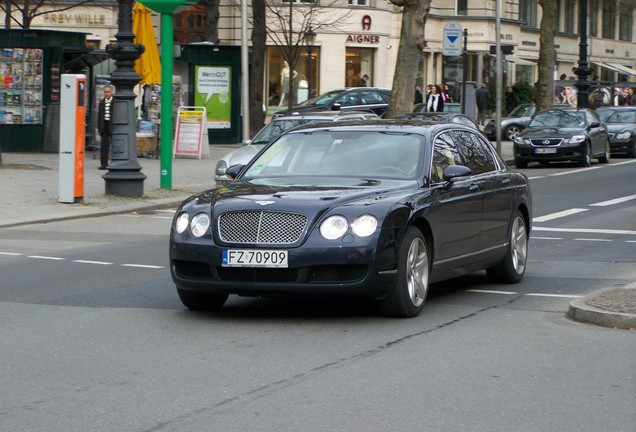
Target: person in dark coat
[
  {"x": 510, "y": 99},
  {"x": 482, "y": 95},
  {"x": 105, "y": 125},
  {"x": 435, "y": 101},
  {"x": 419, "y": 97}
]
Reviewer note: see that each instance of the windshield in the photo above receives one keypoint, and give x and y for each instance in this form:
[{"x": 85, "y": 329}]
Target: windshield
[
  {"x": 367, "y": 154},
  {"x": 617, "y": 116},
  {"x": 276, "y": 127},
  {"x": 525, "y": 110},
  {"x": 323, "y": 99},
  {"x": 555, "y": 118}
]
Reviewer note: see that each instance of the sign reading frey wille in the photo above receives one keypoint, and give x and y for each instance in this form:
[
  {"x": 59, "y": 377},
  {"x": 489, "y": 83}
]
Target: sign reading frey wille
[{"x": 452, "y": 39}]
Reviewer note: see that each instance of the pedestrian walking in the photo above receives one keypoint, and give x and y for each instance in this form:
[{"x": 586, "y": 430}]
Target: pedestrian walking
[
  {"x": 510, "y": 99},
  {"x": 435, "y": 102},
  {"x": 482, "y": 95},
  {"x": 419, "y": 97},
  {"x": 363, "y": 81},
  {"x": 105, "y": 125},
  {"x": 631, "y": 97}
]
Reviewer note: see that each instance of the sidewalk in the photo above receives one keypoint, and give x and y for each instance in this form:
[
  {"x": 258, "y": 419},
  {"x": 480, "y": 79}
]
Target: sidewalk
[{"x": 30, "y": 186}]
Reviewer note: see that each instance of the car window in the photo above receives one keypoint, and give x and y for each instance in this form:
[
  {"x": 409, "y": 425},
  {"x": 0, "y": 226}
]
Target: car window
[
  {"x": 371, "y": 97},
  {"x": 445, "y": 153},
  {"x": 348, "y": 99},
  {"x": 556, "y": 118},
  {"x": 477, "y": 154},
  {"x": 617, "y": 116}
]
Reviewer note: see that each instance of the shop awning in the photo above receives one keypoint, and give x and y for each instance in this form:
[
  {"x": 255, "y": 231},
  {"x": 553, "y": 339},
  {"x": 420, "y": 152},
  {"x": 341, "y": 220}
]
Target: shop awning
[
  {"x": 609, "y": 66},
  {"x": 624, "y": 69},
  {"x": 520, "y": 62}
]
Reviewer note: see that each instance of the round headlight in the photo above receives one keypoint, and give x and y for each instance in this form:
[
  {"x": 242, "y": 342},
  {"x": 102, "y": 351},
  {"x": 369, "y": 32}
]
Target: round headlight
[
  {"x": 624, "y": 135},
  {"x": 200, "y": 224},
  {"x": 182, "y": 223},
  {"x": 221, "y": 167},
  {"x": 334, "y": 227},
  {"x": 364, "y": 226}
]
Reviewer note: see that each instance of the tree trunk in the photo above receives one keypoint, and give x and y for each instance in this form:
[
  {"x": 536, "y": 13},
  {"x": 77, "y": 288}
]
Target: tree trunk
[
  {"x": 259, "y": 34},
  {"x": 414, "y": 15},
  {"x": 211, "y": 20},
  {"x": 544, "y": 96}
]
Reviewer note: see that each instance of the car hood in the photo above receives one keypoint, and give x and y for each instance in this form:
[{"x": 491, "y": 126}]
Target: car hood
[
  {"x": 551, "y": 132},
  {"x": 302, "y": 194},
  {"x": 619, "y": 127},
  {"x": 243, "y": 155}
]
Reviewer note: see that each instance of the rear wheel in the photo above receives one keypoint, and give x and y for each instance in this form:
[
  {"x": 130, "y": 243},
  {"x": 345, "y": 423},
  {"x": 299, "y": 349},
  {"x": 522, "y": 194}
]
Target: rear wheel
[
  {"x": 408, "y": 294},
  {"x": 201, "y": 301},
  {"x": 513, "y": 265},
  {"x": 511, "y": 132}
]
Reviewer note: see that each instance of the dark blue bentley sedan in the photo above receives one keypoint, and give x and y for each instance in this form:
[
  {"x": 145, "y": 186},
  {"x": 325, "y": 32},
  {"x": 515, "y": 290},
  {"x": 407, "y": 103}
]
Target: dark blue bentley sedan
[{"x": 377, "y": 209}]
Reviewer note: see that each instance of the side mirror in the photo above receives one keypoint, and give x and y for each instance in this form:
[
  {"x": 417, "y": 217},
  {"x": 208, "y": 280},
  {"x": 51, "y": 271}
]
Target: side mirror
[
  {"x": 595, "y": 124},
  {"x": 233, "y": 171},
  {"x": 246, "y": 142},
  {"x": 453, "y": 172},
  {"x": 336, "y": 106}
]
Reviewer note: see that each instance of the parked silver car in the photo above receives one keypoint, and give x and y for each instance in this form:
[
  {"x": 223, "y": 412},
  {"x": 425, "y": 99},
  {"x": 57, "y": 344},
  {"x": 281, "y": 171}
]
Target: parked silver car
[
  {"x": 273, "y": 130},
  {"x": 515, "y": 122}
]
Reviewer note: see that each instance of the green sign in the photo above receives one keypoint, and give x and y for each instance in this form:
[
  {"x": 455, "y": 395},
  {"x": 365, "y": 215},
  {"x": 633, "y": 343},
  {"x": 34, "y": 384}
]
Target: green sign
[{"x": 212, "y": 88}]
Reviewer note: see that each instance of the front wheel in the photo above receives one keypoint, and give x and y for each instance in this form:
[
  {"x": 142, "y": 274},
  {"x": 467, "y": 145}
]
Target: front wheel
[
  {"x": 586, "y": 160},
  {"x": 201, "y": 301},
  {"x": 408, "y": 294},
  {"x": 511, "y": 132},
  {"x": 513, "y": 265},
  {"x": 606, "y": 155}
]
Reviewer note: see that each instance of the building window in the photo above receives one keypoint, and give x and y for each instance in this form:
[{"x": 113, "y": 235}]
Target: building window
[
  {"x": 568, "y": 24},
  {"x": 593, "y": 11},
  {"x": 462, "y": 7},
  {"x": 299, "y": 1},
  {"x": 279, "y": 90},
  {"x": 359, "y": 2},
  {"x": 609, "y": 26},
  {"x": 359, "y": 63},
  {"x": 625, "y": 23},
  {"x": 528, "y": 12}
]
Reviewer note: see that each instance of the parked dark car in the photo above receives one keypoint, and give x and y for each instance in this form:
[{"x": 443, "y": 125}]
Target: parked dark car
[
  {"x": 563, "y": 135},
  {"x": 377, "y": 209},
  {"x": 621, "y": 127},
  {"x": 445, "y": 117},
  {"x": 515, "y": 122},
  {"x": 372, "y": 99},
  {"x": 272, "y": 130}
]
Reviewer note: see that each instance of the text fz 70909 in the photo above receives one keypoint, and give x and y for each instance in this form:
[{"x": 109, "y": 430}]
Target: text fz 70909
[{"x": 254, "y": 258}]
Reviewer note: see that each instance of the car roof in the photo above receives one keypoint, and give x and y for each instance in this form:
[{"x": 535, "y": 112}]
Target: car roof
[
  {"x": 327, "y": 115},
  {"x": 421, "y": 127}
]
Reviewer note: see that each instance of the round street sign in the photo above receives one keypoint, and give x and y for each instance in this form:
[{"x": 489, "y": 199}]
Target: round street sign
[{"x": 452, "y": 38}]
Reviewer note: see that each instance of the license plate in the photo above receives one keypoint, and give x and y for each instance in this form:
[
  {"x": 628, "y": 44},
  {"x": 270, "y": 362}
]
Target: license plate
[
  {"x": 254, "y": 258},
  {"x": 545, "y": 150}
]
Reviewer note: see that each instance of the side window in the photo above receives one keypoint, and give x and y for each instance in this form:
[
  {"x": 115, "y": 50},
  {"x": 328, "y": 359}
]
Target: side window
[
  {"x": 477, "y": 155},
  {"x": 348, "y": 99},
  {"x": 444, "y": 154},
  {"x": 370, "y": 97}
]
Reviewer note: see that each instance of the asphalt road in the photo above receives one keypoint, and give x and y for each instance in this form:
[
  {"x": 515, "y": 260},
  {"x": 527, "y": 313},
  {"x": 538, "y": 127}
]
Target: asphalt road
[{"x": 94, "y": 336}]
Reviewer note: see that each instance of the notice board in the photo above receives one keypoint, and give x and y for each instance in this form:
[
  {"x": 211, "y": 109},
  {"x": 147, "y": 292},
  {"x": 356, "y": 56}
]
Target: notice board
[{"x": 189, "y": 131}]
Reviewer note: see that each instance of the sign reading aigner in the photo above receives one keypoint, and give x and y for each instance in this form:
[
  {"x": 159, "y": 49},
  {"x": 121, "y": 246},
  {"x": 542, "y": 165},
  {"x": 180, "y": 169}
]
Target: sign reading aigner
[{"x": 452, "y": 39}]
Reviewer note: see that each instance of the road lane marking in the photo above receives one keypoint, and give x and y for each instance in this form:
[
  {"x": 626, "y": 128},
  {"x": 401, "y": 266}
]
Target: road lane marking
[
  {"x": 142, "y": 266},
  {"x": 546, "y": 238},
  {"x": 46, "y": 257},
  {"x": 11, "y": 253},
  {"x": 614, "y": 201},
  {"x": 492, "y": 292},
  {"x": 557, "y": 215},
  {"x": 593, "y": 239},
  {"x": 575, "y": 171},
  {"x": 92, "y": 262},
  {"x": 553, "y": 295},
  {"x": 586, "y": 230}
]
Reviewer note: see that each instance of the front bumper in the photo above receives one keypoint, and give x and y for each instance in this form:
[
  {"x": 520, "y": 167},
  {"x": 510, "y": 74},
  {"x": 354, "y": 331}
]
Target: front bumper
[{"x": 563, "y": 152}]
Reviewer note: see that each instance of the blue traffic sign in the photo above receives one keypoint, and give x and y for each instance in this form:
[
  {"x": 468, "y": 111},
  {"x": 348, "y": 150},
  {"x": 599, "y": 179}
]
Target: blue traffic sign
[{"x": 452, "y": 39}]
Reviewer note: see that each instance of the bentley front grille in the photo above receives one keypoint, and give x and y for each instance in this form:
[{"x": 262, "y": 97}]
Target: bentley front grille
[{"x": 261, "y": 227}]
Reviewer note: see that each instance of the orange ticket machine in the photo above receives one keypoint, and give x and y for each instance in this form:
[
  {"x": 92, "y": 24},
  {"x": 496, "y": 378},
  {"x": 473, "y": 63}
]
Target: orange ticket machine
[{"x": 73, "y": 95}]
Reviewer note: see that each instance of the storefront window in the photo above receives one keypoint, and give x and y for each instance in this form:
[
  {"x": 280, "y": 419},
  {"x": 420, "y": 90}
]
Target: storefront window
[
  {"x": 283, "y": 84},
  {"x": 359, "y": 63}
]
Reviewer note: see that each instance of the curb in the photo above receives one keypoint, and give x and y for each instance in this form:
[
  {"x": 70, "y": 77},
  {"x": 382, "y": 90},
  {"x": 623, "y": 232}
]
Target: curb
[{"x": 580, "y": 310}]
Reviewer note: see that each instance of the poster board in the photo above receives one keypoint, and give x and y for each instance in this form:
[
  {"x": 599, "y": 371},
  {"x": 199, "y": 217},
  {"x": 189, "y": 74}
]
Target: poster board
[{"x": 189, "y": 131}]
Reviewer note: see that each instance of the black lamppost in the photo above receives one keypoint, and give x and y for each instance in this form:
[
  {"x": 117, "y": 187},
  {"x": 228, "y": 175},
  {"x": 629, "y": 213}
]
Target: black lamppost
[
  {"x": 583, "y": 71},
  {"x": 310, "y": 37},
  {"x": 124, "y": 177}
]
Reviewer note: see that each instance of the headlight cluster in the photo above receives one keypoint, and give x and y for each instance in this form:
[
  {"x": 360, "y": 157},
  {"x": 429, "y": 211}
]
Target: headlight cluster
[
  {"x": 577, "y": 139},
  {"x": 221, "y": 167},
  {"x": 198, "y": 225},
  {"x": 335, "y": 227},
  {"x": 624, "y": 135}
]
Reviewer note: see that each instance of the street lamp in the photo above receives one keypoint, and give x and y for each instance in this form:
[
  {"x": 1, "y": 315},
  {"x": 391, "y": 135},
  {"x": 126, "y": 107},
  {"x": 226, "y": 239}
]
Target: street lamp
[
  {"x": 583, "y": 71},
  {"x": 310, "y": 37}
]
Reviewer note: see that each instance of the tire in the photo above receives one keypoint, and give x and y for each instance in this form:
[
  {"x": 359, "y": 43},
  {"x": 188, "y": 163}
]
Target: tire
[
  {"x": 408, "y": 294},
  {"x": 201, "y": 301},
  {"x": 511, "y": 132},
  {"x": 513, "y": 265},
  {"x": 606, "y": 156},
  {"x": 586, "y": 160},
  {"x": 521, "y": 163},
  {"x": 631, "y": 150}
]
